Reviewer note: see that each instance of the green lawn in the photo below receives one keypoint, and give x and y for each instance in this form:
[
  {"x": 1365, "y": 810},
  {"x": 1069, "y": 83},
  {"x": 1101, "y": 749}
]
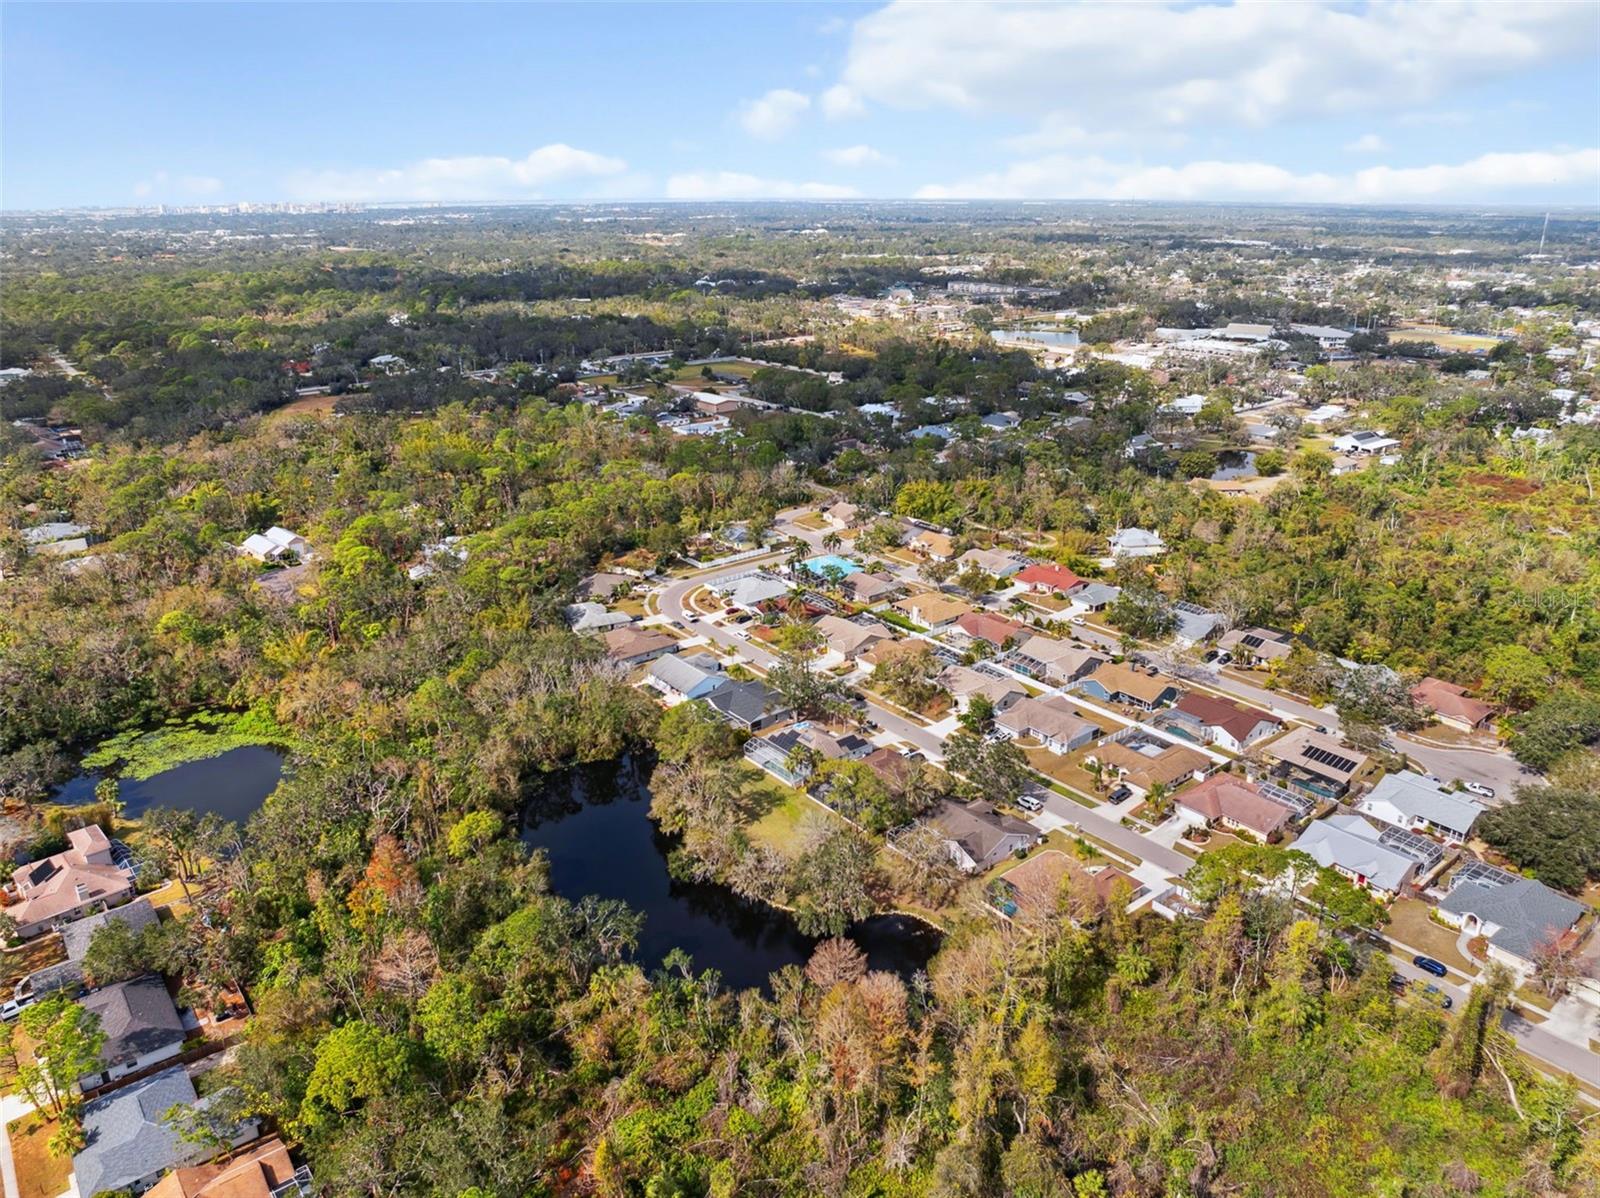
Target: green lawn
[{"x": 784, "y": 814}]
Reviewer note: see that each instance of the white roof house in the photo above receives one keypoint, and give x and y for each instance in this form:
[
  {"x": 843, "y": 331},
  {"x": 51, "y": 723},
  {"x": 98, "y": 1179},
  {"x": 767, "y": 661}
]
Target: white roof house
[
  {"x": 755, "y": 589},
  {"x": 1327, "y": 413},
  {"x": 274, "y": 543},
  {"x": 1137, "y": 542},
  {"x": 1408, "y": 800},
  {"x": 1186, "y": 405},
  {"x": 1363, "y": 441}
]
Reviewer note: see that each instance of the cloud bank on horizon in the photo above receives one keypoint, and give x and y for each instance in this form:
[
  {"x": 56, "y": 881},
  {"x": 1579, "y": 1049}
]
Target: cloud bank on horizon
[{"x": 1390, "y": 101}]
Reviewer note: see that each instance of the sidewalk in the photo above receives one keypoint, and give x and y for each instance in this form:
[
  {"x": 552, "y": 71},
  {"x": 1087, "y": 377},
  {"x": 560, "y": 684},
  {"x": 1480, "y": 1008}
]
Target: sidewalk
[{"x": 12, "y": 1107}]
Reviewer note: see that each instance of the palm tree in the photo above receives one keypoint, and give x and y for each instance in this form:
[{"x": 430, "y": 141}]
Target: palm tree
[{"x": 832, "y": 541}]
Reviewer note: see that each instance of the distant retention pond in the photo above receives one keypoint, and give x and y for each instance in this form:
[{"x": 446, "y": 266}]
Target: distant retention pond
[
  {"x": 595, "y": 825},
  {"x": 233, "y": 785}
]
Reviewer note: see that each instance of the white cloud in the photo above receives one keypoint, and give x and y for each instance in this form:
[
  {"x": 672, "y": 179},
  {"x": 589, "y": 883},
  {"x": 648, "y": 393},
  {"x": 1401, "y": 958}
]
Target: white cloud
[
  {"x": 857, "y": 156},
  {"x": 734, "y": 185},
  {"x": 840, "y": 102},
  {"x": 1155, "y": 66},
  {"x": 470, "y": 177},
  {"x": 1367, "y": 143},
  {"x": 774, "y": 114},
  {"x": 182, "y": 187},
  {"x": 1063, "y": 176}
]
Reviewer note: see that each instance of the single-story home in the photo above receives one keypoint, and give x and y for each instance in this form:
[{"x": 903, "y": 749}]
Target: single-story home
[
  {"x": 932, "y": 609},
  {"x": 68, "y": 885},
  {"x": 1112, "y": 683},
  {"x": 588, "y": 617},
  {"x": 1194, "y": 623},
  {"x": 1095, "y": 596},
  {"x": 75, "y": 938},
  {"x": 1143, "y": 763},
  {"x": 1363, "y": 441},
  {"x": 1053, "y": 722},
  {"x": 1251, "y": 645},
  {"x": 848, "y": 638},
  {"x": 935, "y": 546},
  {"x": 141, "y": 1024},
  {"x": 991, "y": 561},
  {"x": 892, "y": 768},
  {"x": 886, "y": 651},
  {"x": 1057, "y": 661},
  {"x": 1315, "y": 763},
  {"x": 680, "y": 677},
  {"x": 1047, "y": 579},
  {"x": 1235, "y": 804},
  {"x": 269, "y": 546},
  {"x": 830, "y": 746},
  {"x": 1408, "y": 800},
  {"x": 1223, "y": 722},
  {"x": 263, "y": 1169},
  {"x": 1137, "y": 542},
  {"x": 1033, "y": 888},
  {"x": 636, "y": 646},
  {"x": 1518, "y": 916},
  {"x": 1350, "y": 846},
  {"x": 752, "y": 590},
  {"x": 602, "y": 586},
  {"x": 842, "y": 514},
  {"x": 1451, "y": 705},
  {"x": 977, "y": 836},
  {"x": 964, "y": 683},
  {"x": 865, "y": 587},
  {"x": 748, "y": 705},
  {"x": 127, "y": 1145},
  {"x": 987, "y": 626}
]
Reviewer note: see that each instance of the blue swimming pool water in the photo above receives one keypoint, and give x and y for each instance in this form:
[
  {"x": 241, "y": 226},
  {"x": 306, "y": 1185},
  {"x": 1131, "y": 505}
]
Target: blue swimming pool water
[{"x": 821, "y": 562}]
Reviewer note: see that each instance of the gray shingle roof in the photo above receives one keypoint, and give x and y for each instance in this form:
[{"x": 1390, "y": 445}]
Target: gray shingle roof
[
  {"x": 1414, "y": 796},
  {"x": 1528, "y": 912},
  {"x": 1351, "y": 843},
  {"x": 137, "y": 1016},
  {"x": 124, "y": 1138},
  {"x": 684, "y": 674},
  {"x": 75, "y": 937}
]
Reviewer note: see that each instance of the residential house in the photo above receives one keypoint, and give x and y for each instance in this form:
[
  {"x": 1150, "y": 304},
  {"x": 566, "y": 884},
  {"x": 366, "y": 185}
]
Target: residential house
[
  {"x": 448, "y": 549},
  {"x": 1236, "y": 805},
  {"x": 1137, "y": 542},
  {"x": 1518, "y": 916},
  {"x": 863, "y": 587},
  {"x": 1315, "y": 763},
  {"x": 977, "y": 836},
  {"x": 141, "y": 1024},
  {"x": 987, "y": 626},
  {"x": 748, "y": 705},
  {"x": 1451, "y": 705},
  {"x": 965, "y": 683},
  {"x": 1185, "y": 405},
  {"x": 1143, "y": 762},
  {"x": 1053, "y": 722},
  {"x": 1033, "y": 888},
  {"x": 1364, "y": 441},
  {"x": 1048, "y": 578},
  {"x": 593, "y": 617},
  {"x": 1327, "y": 414},
  {"x": 1001, "y": 421},
  {"x": 263, "y": 1169},
  {"x": 68, "y": 885},
  {"x": 75, "y": 938},
  {"x": 681, "y": 678},
  {"x": 1352, "y": 847},
  {"x": 1194, "y": 624},
  {"x": 40, "y": 537},
  {"x": 935, "y": 546},
  {"x": 893, "y": 769},
  {"x": 991, "y": 561},
  {"x": 932, "y": 609},
  {"x": 886, "y": 651},
  {"x": 273, "y": 544},
  {"x": 1254, "y": 645},
  {"x": 1113, "y": 683},
  {"x": 1139, "y": 445},
  {"x": 1408, "y": 800},
  {"x": 712, "y": 404},
  {"x": 1224, "y": 723},
  {"x": 830, "y": 746},
  {"x": 128, "y": 1144},
  {"x": 636, "y": 646},
  {"x": 603, "y": 587},
  {"x": 751, "y": 591},
  {"x": 850, "y": 639},
  {"x": 842, "y": 515},
  {"x": 1057, "y": 661},
  {"x": 1095, "y": 596}
]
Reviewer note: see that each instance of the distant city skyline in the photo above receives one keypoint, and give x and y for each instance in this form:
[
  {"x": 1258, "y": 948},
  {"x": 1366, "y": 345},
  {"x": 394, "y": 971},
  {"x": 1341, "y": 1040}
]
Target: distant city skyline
[{"x": 1384, "y": 103}]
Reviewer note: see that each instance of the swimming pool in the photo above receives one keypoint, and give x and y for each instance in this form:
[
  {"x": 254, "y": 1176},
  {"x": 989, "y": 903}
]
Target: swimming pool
[{"x": 818, "y": 564}]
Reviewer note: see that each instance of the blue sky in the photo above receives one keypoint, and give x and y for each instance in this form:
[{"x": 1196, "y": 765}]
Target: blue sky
[{"x": 1385, "y": 102}]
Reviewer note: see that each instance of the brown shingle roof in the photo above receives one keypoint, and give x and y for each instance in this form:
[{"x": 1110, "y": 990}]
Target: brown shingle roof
[
  {"x": 1238, "y": 721},
  {"x": 1223, "y": 796}
]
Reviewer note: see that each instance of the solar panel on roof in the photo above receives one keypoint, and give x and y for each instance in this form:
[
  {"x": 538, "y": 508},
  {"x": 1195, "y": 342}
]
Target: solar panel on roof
[
  {"x": 1252, "y": 641},
  {"x": 1323, "y": 757}
]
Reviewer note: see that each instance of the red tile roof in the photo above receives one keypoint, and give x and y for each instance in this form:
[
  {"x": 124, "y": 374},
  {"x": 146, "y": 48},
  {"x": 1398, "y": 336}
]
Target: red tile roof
[
  {"x": 1057, "y": 578},
  {"x": 1223, "y": 796},
  {"x": 1446, "y": 698},
  {"x": 1234, "y": 718},
  {"x": 986, "y": 626}
]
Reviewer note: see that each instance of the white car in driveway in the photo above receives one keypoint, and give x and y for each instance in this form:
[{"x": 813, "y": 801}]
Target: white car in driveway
[{"x": 1479, "y": 789}]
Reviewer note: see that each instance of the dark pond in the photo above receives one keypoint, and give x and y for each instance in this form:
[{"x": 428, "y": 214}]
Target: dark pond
[
  {"x": 233, "y": 785},
  {"x": 594, "y": 823},
  {"x": 1234, "y": 463}
]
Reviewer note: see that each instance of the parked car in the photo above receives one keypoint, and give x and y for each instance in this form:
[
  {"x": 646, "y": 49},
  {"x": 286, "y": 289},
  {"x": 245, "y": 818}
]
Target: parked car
[
  {"x": 10, "y": 1010},
  {"x": 1030, "y": 803},
  {"x": 1438, "y": 997},
  {"x": 1120, "y": 793},
  {"x": 1210, "y": 657},
  {"x": 1224, "y": 658},
  {"x": 1429, "y": 965},
  {"x": 1479, "y": 789},
  {"x": 1399, "y": 983}
]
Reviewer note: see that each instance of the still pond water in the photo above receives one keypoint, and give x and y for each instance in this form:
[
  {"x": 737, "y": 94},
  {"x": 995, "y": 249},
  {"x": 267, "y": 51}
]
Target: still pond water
[
  {"x": 1234, "y": 463},
  {"x": 233, "y": 785},
  {"x": 594, "y": 823}
]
